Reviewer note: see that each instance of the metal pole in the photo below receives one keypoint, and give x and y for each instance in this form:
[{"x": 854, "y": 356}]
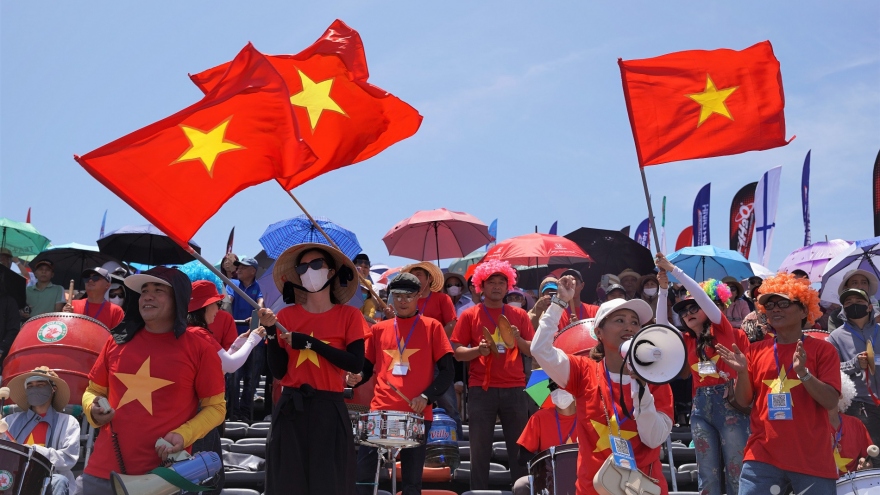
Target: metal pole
[
  {"x": 650, "y": 210},
  {"x": 672, "y": 470}
]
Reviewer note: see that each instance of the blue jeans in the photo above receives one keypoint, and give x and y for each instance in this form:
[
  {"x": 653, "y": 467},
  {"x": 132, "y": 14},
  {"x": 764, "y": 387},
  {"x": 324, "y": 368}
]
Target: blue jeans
[
  {"x": 759, "y": 478},
  {"x": 720, "y": 434},
  {"x": 60, "y": 485},
  {"x": 249, "y": 373}
]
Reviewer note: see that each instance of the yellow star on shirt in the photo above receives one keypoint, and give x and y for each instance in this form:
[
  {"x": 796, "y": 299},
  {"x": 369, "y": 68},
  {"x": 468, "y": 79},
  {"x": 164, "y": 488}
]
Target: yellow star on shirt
[
  {"x": 140, "y": 386},
  {"x": 397, "y": 358},
  {"x": 207, "y": 146},
  {"x": 712, "y": 100},
  {"x": 315, "y": 98},
  {"x": 781, "y": 384},
  {"x": 840, "y": 461},
  {"x": 309, "y": 355},
  {"x": 605, "y": 432},
  {"x": 714, "y": 359}
]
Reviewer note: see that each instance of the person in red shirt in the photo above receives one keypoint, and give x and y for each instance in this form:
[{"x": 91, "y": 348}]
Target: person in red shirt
[
  {"x": 791, "y": 382},
  {"x": 160, "y": 378},
  {"x": 599, "y": 385},
  {"x": 95, "y": 305},
  {"x": 310, "y": 449},
  {"x": 578, "y": 310},
  {"x": 851, "y": 438},
  {"x": 402, "y": 352},
  {"x": 720, "y": 431},
  {"x": 496, "y": 379}
]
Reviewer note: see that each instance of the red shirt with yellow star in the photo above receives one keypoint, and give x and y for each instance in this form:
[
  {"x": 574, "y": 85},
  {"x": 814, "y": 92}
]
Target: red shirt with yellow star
[
  {"x": 503, "y": 372},
  {"x": 593, "y": 431},
  {"x": 725, "y": 335},
  {"x": 426, "y": 346},
  {"x": 223, "y": 329},
  {"x": 38, "y": 434},
  {"x": 438, "y": 306},
  {"x": 155, "y": 383},
  {"x": 107, "y": 313},
  {"x": 790, "y": 445},
  {"x": 853, "y": 444},
  {"x": 338, "y": 327},
  {"x": 542, "y": 431},
  {"x": 582, "y": 312}
]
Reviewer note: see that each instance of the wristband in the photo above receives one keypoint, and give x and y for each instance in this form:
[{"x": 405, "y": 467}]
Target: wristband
[{"x": 559, "y": 302}]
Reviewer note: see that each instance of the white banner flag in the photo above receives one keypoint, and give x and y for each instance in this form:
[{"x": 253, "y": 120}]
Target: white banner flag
[{"x": 766, "y": 199}]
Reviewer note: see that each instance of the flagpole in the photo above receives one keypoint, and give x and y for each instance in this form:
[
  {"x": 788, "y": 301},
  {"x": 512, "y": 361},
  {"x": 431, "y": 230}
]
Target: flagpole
[
  {"x": 369, "y": 287},
  {"x": 650, "y": 210}
]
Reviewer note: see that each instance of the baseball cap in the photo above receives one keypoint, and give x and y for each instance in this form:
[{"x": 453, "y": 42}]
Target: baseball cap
[
  {"x": 158, "y": 275},
  {"x": 44, "y": 262},
  {"x": 361, "y": 257},
  {"x": 574, "y": 273},
  {"x": 405, "y": 283},
  {"x": 550, "y": 286},
  {"x": 641, "y": 308},
  {"x": 856, "y": 292},
  {"x": 614, "y": 287},
  {"x": 97, "y": 270},
  {"x": 247, "y": 262}
]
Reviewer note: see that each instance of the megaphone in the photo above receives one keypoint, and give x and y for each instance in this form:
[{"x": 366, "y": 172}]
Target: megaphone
[
  {"x": 202, "y": 466},
  {"x": 656, "y": 354}
]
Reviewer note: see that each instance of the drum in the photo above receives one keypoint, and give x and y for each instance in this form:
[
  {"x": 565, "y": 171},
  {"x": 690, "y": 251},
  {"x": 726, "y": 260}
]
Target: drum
[
  {"x": 23, "y": 471},
  {"x": 392, "y": 429},
  {"x": 576, "y": 338},
  {"x": 355, "y": 418},
  {"x": 66, "y": 342},
  {"x": 554, "y": 471},
  {"x": 865, "y": 482},
  {"x": 818, "y": 334}
]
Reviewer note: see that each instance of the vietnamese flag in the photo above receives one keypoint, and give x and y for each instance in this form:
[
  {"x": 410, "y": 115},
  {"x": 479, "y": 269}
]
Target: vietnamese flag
[
  {"x": 699, "y": 104},
  {"x": 343, "y": 118},
  {"x": 179, "y": 171}
]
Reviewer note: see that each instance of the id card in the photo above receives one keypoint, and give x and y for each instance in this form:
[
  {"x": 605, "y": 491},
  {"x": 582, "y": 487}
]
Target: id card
[
  {"x": 779, "y": 406},
  {"x": 501, "y": 348},
  {"x": 706, "y": 368},
  {"x": 622, "y": 452},
  {"x": 876, "y": 360},
  {"x": 400, "y": 369}
]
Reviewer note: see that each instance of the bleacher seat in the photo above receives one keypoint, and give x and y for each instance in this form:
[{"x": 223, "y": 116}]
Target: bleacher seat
[
  {"x": 499, "y": 453},
  {"x": 224, "y": 442},
  {"x": 258, "y": 430},
  {"x": 498, "y": 474},
  {"x": 235, "y": 430},
  {"x": 253, "y": 480},
  {"x": 246, "y": 441},
  {"x": 682, "y": 478},
  {"x": 683, "y": 455},
  {"x": 257, "y": 449},
  {"x": 238, "y": 491}
]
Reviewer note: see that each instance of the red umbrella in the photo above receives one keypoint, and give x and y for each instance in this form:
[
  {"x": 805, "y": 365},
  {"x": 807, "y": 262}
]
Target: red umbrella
[
  {"x": 388, "y": 275},
  {"x": 435, "y": 234},
  {"x": 538, "y": 249}
]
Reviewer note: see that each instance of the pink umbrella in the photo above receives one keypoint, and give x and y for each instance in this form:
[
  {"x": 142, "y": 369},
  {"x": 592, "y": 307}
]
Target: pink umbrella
[
  {"x": 813, "y": 258},
  {"x": 538, "y": 249},
  {"x": 436, "y": 234}
]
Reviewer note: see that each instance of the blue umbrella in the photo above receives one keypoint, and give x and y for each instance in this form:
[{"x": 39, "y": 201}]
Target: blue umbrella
[
  {"x": 281, "y": 235},
  {"x": 705, "y": 262}
]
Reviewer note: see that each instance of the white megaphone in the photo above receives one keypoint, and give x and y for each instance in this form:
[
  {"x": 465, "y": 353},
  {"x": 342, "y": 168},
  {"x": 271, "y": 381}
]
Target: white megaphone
[
  {"x": 201, "y": 467},
  {"x": 656, "y": 354}
]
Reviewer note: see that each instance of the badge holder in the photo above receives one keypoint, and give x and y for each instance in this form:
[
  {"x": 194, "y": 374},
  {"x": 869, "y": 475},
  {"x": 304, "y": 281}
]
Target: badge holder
[
  {"x": 400, "y": 369},
  {"x": 621, "y": 449},
  {"x": 706, "y": 368},
  {"x": 779, "y": 406}
]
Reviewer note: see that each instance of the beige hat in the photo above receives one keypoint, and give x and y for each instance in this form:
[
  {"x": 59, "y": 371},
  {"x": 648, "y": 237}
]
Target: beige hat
[
  {"x": 872, "y": 281},
  {"x": 437, "y": 280},
  {"x": 18, "y": 394},
  {"x": 285, "y": 271},
  {"x": 629, "y": 272}
]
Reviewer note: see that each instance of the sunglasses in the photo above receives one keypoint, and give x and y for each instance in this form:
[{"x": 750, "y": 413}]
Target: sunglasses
[
  {"x": 93, "y": 278},
  {"x": 781, "y": 304},
  {"x": 315, "y": 264},
  {"x": 117, "y": 293},
  {"x": 405, "y": 297},
  {"x": 690, "y": 310}
]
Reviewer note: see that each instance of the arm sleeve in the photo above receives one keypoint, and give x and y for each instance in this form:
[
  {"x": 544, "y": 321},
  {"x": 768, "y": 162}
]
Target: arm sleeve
[
  {"x": 232, "y": 361},
  {"x": 706, "y": 304},
  {"x": 92, "y": 391},
  {"x": 444, "y": 378},
  {"x": 64, "y": 456},
  {"x": 211, "y": 414},
  {"x": 653, "y": 426},
  {"x": 662, "y": 297},
  {"x": 276, "y": 356},
  {"x": 367, "y": 371},
  {"x": 554, "y": 361},
  {"x": 351, "y": 359}
]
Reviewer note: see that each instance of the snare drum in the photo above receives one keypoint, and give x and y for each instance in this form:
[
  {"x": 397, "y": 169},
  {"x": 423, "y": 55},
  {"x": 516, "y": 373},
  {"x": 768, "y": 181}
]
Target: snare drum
[
  {"x": 23, "y": 471},
  {"x": 393, "y": 429},
  {"x": 554, "y": 471},
  {"x": 865, "y": 482}
]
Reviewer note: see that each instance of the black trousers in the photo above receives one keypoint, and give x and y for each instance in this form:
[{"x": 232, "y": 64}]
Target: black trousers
[
  {"x": 412, "y": 462},
  {"x": 310, "y": 449}
]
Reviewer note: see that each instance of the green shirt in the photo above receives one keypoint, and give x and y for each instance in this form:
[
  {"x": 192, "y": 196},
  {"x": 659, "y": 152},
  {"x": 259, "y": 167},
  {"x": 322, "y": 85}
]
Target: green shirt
[{"x": 43, "y": 301}]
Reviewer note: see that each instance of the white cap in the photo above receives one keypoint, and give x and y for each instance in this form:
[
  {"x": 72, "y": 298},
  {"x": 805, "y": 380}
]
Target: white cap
[{"x": 641, "y": 308}]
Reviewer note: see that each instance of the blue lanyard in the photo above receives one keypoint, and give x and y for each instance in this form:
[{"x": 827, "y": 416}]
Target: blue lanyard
[
  {"x": 559, "y": 428},
  {"x": 839, "y": 432},
  {"x": 422, "y": 309},
  {"x": 397, "y": 334},
  {"x": 856, "y": 333},
  {"x": 776, "y": 355},
  {"x": 580, "y": 312},
  {"x": 613, "y": 404},
  {"x": 100, "y": 308},
  {"x": 494, "y": 325}
]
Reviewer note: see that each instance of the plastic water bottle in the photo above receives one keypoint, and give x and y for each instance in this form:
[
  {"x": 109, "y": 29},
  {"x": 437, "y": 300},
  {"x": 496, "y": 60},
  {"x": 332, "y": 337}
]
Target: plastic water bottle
[{"x": 442, "y": 442}]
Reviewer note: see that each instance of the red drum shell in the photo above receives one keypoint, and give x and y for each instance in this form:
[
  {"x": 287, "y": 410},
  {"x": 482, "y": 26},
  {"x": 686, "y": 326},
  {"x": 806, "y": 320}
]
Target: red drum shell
[
  {"x": 818, "y": 334},
  {"x": 67, "y": 343},
  {"x": 575, "y": 338}
]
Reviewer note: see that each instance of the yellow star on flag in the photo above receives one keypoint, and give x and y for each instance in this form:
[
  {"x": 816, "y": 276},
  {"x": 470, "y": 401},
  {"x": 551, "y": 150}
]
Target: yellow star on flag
[
  {"x": 140, "y": 386},
  {"x": 781, "y": 384},
  {"x": 712, "y": 100},
  {"x": 309, "y": 355},
  {"x": 315, "y": 98},
  {"x": 714, "y": 359},
  {"x": 604, "y": 442},
  {"x": 207, "y": 146},
  {"x": 840, "y": 461},
  {"x": 397, "y": 358}
]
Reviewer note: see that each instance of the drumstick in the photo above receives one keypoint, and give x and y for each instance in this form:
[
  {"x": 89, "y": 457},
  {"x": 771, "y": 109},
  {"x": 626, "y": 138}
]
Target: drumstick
[
  {"x": 400, "y": 393},
  {"x": 70, "y": 294}
]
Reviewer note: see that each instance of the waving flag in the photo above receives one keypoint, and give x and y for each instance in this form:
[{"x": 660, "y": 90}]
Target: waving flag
[
  {"x": 643, "y": 235},
  {"x": 742, "y": 219},
  {"x": 766, "y": 199},
  {"x": 663, "y": 228},
  {"x": 103, "y": 224},
  {"x": 877, "y": 195},
  {"x": 805, "y": 198},
  {"x": 553, "y": 228},
  {"x": 686, "y": 238},
  {"x": 701, "y": 217}
]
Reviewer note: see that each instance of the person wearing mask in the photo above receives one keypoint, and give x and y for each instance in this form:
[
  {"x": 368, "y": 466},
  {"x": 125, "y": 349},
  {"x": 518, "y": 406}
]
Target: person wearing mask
[
  {"x": 95, "y": 305},
  {"x": 578, "y": 310},
  {"x": 739, "y": 308},
  {"x": 516, "y": 298},
  {"x": 44, "y": 296},
  {"x": 649, "y": 290},
  {"x": 455, "y": 287},
  {"x": 855, "y": 279},
  {"x": 116, "y": 292}
]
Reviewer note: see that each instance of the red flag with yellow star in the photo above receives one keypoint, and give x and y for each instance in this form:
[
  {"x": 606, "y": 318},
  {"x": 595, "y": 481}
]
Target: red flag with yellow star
[
  {"x": 344, "y": 119},
  {"x": 179, "y": 171},
  {"x": 699, "y": 104}
]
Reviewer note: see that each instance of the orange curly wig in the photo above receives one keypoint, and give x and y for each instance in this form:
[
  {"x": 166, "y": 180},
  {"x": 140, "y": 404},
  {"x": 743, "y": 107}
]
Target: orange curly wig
[{"x": 796, "y": 289}]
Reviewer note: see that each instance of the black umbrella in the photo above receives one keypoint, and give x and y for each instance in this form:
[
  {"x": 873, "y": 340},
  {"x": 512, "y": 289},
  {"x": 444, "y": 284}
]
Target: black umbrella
[
  {"x": 13, "y": 284},
  {"x": 145, "y": 244},
  {"x": 69, "y": 261},
  {"x": 612, "y": 252}
]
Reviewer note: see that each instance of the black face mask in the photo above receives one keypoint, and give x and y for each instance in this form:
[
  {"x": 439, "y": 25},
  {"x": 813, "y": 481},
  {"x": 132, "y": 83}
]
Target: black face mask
[{"x": 856, "y": 311}]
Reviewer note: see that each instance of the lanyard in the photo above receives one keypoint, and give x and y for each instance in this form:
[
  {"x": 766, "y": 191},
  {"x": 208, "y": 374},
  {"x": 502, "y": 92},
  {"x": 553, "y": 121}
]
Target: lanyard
[
  {"x": 494, "y": 325},
  {"x": 580, "y": 311},
  {"x": 856, "y": 333},
  {"x": 611, "y": 398},
  {"x": 422, "y": 309},
  {"x": 100, "y": 308},
  {"x": 559, "y": 428},
  {"x": 839, "y": 432},
  {"x": 776, "y": 355},
  {"x": 397, "y": 334}
]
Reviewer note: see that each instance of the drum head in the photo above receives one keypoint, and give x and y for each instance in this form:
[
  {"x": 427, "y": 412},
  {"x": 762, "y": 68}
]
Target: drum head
[
  {"x": 576, "y": 338},
  {"x": 866, "y": 482}
]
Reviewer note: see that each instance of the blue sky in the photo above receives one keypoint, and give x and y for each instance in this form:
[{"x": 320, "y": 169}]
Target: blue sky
[{"x": 524, "y": 117}]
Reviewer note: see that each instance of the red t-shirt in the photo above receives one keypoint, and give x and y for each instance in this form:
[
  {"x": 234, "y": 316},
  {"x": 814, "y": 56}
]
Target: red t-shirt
[
  {"x": 155, "y": 382},
  {"x": 338, "y": 327},
  {"x": 223, "y": 329},
  {"x": 107, "y": 313},
  {"x": 37, "y": 436},
  {"x": 854, "y": 442},
  {"x": 725, "y": 335},
  {"x": 504, "y": 372},
  {"x": 438, "y": 306},
  {"x": 592, "y": 427},
  {"x": 205, "y": 334},
  {"x": 584, "y": 311},
  {"x": 792, "y": 445},
  {"x": 547, "y": 428},
  {"x": 426, "y": 346}
]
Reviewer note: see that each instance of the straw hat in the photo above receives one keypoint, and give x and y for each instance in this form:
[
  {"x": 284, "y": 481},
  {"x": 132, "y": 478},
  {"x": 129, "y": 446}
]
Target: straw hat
[
  {"x": 285, "y": 270},
  {"x": 437, "y": 280},
  {"x": 19, "y": 396}
]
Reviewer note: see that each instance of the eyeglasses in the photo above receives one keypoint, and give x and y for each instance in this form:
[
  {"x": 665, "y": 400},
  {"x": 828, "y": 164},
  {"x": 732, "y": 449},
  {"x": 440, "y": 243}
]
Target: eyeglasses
[
  {"x": 405, "y": 297},
  {"x": 93, "y": 278},
  {"x": 781, "y": 304},
  {"x": 315, "y": 264},
  {"x": 690, "y": 310}
]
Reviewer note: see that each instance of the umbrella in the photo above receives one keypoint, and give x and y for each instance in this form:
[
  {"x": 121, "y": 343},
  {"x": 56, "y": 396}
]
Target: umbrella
[
  {"x": 281, "y": 235},
  {"x": 21, "y": 239},
  {"x": 861, "y": 255},
  {"x": 264, "y": 262},
  {"x": 813, "y": 258},
  {"x": 436, "y": 234},
  {"x": 460, "y": 265},
  {"x": 537, "y": 249},
  {"x": 538, "y": 388},
  {"x": 144, "y": 244},
  {"x": 705, "y": 262},
  {"x": 13, "y": 284},
  {"x": 388, "y": 275},
  {"x": 612, "y": 252},
  {"x": 69, "y": 261},
  {"x": 761, "y": 270},
  {"x": 271, "y": 295}
]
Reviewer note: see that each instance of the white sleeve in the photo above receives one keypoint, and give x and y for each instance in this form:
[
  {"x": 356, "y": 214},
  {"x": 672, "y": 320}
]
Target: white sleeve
[
  {"x": 553, "y": 361},
  {"x": 234, "y": 359},
  {"x": 66, "y": 454},
  {"x": 703, "y": 300},
  {"x": 662, "y": 297},
  {"x": 653, "y": 426}
]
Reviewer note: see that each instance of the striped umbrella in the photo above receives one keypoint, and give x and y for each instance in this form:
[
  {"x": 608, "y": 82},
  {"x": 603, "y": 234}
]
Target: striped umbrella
[{"x": 281, "y": 235}]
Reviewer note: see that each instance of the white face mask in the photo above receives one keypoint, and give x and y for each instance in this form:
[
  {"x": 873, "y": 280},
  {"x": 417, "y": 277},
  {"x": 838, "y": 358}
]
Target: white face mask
[
  {"x": 116, "y": 300},
  {"x": 561, "y": 398},
  {"x": 314, "y": 280},
  {"x": 650, "y": 292},
  {"x": 515, "y": 304},
  {"x": 453, "y": 291}
]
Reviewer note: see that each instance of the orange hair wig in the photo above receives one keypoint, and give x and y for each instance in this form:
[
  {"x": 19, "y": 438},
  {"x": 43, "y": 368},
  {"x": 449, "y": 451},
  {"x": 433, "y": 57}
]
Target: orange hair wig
[{"x": 795, "y": 289}]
